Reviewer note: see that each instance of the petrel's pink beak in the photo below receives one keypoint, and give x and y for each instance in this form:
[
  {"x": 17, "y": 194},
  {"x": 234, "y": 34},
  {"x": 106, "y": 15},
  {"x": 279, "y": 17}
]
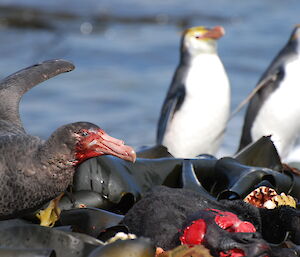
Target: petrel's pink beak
[{"x": 116, "y": 147}]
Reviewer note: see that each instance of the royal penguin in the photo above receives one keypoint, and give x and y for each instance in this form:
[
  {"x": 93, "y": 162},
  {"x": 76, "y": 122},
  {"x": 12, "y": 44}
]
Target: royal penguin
[
  {"x": 197, "y": 105},
  {"x": 275, "y": 108}
]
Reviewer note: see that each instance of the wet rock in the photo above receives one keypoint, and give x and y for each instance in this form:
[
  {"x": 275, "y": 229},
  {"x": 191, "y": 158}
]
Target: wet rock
[
  {"x": 90, "y": 221},
  {"x": 33, "y": 237}
]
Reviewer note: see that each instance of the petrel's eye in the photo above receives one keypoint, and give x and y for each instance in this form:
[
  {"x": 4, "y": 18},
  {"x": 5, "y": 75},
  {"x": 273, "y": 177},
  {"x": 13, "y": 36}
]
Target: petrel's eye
[{"x": 84, "y": 133}]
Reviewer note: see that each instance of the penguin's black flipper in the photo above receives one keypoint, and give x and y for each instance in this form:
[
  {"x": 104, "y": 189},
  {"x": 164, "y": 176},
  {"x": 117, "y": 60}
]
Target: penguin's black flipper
[
  {"x": 167, "y": 114},
  {"x": 172, "y": 102},
  {"x": 266, "y": 87}
]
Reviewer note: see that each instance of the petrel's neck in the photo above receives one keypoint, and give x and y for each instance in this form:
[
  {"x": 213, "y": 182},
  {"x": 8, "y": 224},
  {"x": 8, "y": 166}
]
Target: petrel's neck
[{"x": 57, "y": 162}]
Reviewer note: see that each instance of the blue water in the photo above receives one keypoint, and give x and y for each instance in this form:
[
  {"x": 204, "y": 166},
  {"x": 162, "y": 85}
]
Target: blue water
[{"x": 124, "y": 65}]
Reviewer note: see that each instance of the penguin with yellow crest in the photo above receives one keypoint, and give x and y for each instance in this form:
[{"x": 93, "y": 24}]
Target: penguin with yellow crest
[{"x": 196, "y": 109}]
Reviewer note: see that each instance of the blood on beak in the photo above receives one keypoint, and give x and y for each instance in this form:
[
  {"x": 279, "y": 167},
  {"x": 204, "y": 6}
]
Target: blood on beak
[{"x": 98, "y": 142}]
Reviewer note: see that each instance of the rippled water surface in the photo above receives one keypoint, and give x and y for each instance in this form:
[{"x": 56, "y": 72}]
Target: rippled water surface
[{"x": 125, "y": 53}]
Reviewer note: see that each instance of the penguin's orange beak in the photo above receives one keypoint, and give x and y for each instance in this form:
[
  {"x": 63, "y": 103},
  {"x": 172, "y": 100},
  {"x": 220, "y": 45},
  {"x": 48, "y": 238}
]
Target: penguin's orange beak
[{"x": 214, "y": 33}]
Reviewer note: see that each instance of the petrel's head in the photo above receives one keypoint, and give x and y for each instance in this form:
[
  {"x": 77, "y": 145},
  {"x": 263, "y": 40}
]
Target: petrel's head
[
  {"x": 85, "y": 140},
  {"x": 199, "y": 40}
]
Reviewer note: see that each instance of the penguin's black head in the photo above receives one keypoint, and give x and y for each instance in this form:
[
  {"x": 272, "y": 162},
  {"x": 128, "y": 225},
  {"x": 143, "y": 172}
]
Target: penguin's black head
[{"x": 199, "y": 40}]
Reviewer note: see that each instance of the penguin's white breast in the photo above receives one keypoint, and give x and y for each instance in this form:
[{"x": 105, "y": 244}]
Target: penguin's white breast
[
  {"x": 279, "y": 116},
  {"x": 204, "y": 112}
]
